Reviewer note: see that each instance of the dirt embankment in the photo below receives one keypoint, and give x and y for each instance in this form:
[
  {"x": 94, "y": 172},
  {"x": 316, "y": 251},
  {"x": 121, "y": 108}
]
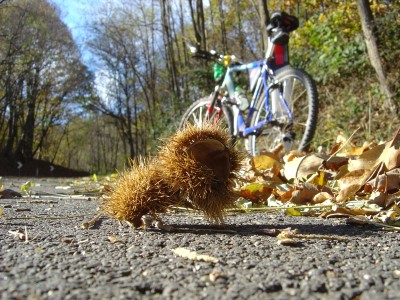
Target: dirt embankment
[{"x": 39, "y": 168}]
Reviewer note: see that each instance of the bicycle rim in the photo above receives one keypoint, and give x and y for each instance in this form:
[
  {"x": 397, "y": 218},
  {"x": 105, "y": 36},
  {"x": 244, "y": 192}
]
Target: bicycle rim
[
  {"x": 300, "y": 93},
  {"x": 197, "y": 114}
]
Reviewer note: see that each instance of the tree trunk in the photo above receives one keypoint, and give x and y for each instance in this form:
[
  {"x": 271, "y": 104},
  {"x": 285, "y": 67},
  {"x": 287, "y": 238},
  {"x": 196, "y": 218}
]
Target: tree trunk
[
  {"x": 264, "y": 19},
  {"x": 198, "y": 23},
  {"x": 29, "y": 128},
  {"x": 240, "y": 34},
  {"x": 367, "y": 23},
  {"x": 223, "y": 30},
  {"x": 169, "y": 50}
]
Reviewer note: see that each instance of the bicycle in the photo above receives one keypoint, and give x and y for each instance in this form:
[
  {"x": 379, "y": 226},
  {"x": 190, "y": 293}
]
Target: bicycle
[{"x": 284, "y": 102}]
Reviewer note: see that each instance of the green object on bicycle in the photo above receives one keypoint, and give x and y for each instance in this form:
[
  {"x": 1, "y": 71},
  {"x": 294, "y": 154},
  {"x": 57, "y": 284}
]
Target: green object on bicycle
[{"x": 219, "y": 71}]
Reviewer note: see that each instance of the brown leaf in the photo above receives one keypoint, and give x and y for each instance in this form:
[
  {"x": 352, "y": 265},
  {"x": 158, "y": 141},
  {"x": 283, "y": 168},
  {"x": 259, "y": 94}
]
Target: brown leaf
[
  {"x": 378, "y": 198},
  {"x": 348, "y": 192},
  {"x": 321, "y": 197},
  {"x": 389, "y": 156},
  {"x": 335, "y": 148},
  {"x": 289, "y": 242},
  {"x": 351, "y": 183},
  {"x": 300, "y": 194},
  {"x": 303, "y": 167},
  {"x": 388, "y": 182},
  {"x": 358, "y": 220},
  {"x": 285, "y": 196},
  {"x": 357, "y": 177},
  {"x": 344, "y": 212},
  {"x": 383, "y": 199},
  {"x": 335, "y": 162},
  {"x": 292, "y": 155}
]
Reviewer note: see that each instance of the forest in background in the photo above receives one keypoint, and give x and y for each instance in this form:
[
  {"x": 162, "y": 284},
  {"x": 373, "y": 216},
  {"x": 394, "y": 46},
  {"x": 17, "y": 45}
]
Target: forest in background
[{"x": 142, "y": 78}]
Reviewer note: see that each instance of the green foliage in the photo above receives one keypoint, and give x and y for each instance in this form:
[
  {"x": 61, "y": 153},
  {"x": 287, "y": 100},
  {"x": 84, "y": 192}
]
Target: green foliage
[
  {"x": 27, "y": 187},
  {"x": 330, "y": 45}
]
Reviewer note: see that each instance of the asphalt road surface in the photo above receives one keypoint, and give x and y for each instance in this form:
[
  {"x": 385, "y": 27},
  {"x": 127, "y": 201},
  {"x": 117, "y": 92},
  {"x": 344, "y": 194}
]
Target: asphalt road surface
[{"x": 47, "y": 254}]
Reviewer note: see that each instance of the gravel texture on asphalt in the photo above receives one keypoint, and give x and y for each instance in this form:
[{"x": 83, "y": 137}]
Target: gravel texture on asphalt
[{"x": 62, "y": 260}]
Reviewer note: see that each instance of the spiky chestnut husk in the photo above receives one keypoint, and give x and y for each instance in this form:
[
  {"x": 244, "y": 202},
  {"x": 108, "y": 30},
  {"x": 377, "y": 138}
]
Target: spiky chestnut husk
[
  {"x": 201, "y": 164},
  {"x": 137, "y": 192}
]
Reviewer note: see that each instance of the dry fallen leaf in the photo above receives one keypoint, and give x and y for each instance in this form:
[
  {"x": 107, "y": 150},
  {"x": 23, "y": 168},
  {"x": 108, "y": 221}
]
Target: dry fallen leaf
[
  {"x": 266, "y": 161},
  {"x": 321, "y": 197},
  {"x": 303, "y": 167},
  {"x": 351, "y": 183},
  {"x": 186, "y": 253},
  {"x": 289, "y": 242},
  {"x": 301, "y": 194},
  {"x": 256, "y": 192},
  {"x": 18, "y": 234},
  {"x": 114, "y": 239},
  {"x": 387, "y": 182},
  {"x": 215, "y": 275},
  {"x": 388, "y": 155},
  {"x": 160, "y": 225}
]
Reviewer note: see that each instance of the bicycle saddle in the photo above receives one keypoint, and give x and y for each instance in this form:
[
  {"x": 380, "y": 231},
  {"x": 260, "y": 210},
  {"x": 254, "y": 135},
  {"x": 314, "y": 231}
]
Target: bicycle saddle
[
  {"x": 280, "y": 25},
  {"x": 283, "y": 21}
]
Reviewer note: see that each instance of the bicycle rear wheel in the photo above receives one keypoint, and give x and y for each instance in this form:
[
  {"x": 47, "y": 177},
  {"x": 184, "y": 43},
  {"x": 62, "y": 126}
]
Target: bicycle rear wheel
[
  {"x": 300, "y": 93},
  {"x": 197, "y": 114}
]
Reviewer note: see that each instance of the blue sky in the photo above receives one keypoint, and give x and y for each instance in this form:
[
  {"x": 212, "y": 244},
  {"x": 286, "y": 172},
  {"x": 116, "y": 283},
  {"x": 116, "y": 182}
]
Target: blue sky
[{"x": 74, "y": 14}]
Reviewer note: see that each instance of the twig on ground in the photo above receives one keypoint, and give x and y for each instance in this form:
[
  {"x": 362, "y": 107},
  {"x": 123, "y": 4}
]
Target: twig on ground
[{"x": 92, "y": 221}]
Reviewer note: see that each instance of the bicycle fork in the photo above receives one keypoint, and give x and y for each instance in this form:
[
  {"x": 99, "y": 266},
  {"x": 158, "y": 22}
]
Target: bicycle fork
[{"x": 211, "y": 107}]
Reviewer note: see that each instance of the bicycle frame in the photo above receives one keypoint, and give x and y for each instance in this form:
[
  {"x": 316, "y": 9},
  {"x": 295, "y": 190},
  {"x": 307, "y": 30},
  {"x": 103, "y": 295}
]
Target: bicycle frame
[{"x": 265, "y": 81}]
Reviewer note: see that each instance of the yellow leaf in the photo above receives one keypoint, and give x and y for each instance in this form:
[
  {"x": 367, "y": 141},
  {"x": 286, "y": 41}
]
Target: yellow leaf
[
  {"x": 318, "y": 179},
  {"x": 256, "y": 192},
  {"x": 354, "y": 151},
  {"x": 26, "y": 186},
  {"x": 266, "y": 161},
  {"x": 293, "y": 212}
]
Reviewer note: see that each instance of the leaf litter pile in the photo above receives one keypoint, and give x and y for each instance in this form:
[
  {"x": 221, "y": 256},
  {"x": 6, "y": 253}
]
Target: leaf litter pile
[{"x": 359, "y": 183}]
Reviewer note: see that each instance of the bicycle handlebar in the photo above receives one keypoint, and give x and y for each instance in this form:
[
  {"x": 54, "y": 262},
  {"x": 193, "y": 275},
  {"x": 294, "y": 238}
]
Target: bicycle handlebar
[
  {"x": 203, "y": 54},
  {"x": 278, "y": 29}
]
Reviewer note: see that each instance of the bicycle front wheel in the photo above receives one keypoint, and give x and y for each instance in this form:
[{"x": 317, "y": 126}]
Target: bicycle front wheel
[
  {"x": 298, "y": 90},
  {"x": 197, "y": 114}
]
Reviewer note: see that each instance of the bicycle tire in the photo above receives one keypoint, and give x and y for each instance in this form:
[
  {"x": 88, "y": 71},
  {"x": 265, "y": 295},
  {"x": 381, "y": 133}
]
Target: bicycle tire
[
  {"x": 303, "y": 104},
  {"x": 196, "y": 114}
]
